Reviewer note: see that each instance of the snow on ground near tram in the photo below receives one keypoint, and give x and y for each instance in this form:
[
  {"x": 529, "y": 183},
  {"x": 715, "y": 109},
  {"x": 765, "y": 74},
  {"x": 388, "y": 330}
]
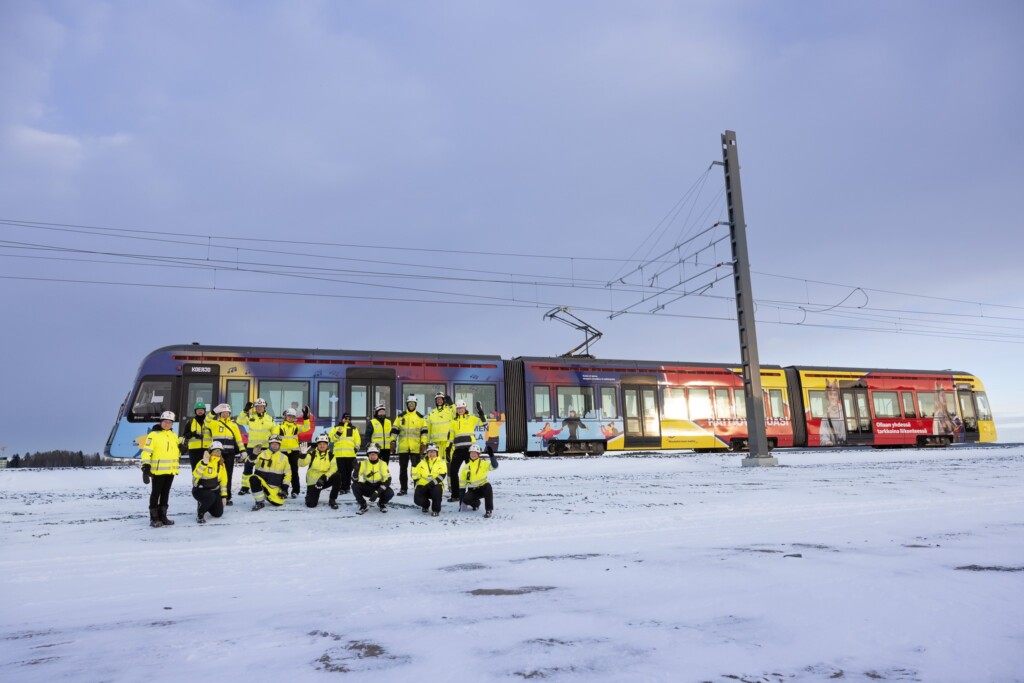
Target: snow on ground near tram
[{"x": 896, "y": 565}]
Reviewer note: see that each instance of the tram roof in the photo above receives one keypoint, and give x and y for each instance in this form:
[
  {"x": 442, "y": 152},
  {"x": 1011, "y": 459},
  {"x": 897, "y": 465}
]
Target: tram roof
[{"x": 263, "y": 351}]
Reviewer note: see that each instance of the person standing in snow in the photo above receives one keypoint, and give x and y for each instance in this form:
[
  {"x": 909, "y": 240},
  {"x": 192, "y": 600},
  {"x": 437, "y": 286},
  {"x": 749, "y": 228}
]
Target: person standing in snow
[
  {"x": 198, "y": 434},
  {"x": 463, "y": 434},
  {"x": 410, "y": 435},
  {"x": 289, "y": 431},
  {"x": 210, "y": 483},
  {"x": 160, "y": 455},
  {"x": 378, "y": 431},
  {"x": 346, "y": 442},
  {"x": 225, "y": 430},
  {"x": 255, "y": 418}
]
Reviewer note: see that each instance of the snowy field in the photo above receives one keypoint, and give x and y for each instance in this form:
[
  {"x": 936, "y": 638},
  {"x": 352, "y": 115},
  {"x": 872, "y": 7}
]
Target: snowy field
[{"x": 851, "y": 566}]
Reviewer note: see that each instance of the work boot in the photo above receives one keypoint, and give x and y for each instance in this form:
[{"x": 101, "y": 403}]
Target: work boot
[
  {"x": 295, "y": 494},
  {"x": 434, "y": 514},
  {"x": 362, "y": 510},
  {"x": 333, "y": 504},
  {"x": 487, "y": 514},
  {"x": 163, "y": 516},
  {"x": 258, "y": 506},
  {"x": 243, "y": 491},
  {"x": 229, "y": 502},
  {"x": 453, "y": 499},
  {"x": 154, "y": 518},
  {"x": 201, "y": 518},
  {"x": 403, "y": 492},
  {"x": 383, "y": 507},
  {"x": 426, "y": 509}
]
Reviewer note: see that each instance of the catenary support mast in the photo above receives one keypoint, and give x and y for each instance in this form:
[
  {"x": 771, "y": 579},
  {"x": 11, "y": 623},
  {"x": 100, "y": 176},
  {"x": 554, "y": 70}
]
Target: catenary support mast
[{"x": 756, "y": 437}]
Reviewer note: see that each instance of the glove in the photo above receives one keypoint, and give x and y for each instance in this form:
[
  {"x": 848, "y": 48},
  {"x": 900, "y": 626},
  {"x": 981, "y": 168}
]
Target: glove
[
  {"x": 284, "y": 489},
  {"x": 145, "y": 474},
  {"x": 243, "y": 455},
  {"x": 248, "y": 407},
  {"x": 304, "y": 448},
  {"x": 305, "y": 412},
  {"x": 321, "y": 482}
]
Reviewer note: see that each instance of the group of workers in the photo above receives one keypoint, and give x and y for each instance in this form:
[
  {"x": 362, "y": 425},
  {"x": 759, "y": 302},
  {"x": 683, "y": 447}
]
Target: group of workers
[{"x": 440, "y": 446}]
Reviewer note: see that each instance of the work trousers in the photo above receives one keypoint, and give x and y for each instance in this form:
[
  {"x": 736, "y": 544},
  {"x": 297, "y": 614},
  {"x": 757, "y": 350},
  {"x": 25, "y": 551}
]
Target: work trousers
[
  {"x": 194, "y": 456},
  {"x": 347, "y": 471},
  {"x": 430, "y": 494},
  {"x": 258, "y": 491},
  {"x": 161, "y": 489},
  {"x": 473, "y": 497},
  {"x": 313, "y": 493},
  {"x": 362, "y": 489},
  {"x": 403, "y": 467},
  {"x": 293, "y": 460},
  {"x": 247, "y": 469},
  {"x": 209, "y": 501},
  {"x": 459, "y": 458},
  {"x": 229, "y": 467}
]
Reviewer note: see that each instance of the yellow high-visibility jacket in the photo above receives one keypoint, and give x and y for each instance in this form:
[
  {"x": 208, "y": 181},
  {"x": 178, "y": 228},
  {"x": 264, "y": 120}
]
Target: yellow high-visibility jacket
[
  {"x": 474, "y": 473},
  {"x": 228, "y": 433},
  {"x": 160, "y": 451},
  {"x": 211, "y": 476},
  {"x": 374, "y": 472},
  {"x": 410, "y": 428},
  {"x": 463, "y": 430},
  {"x": 428, "y": 469},
  {"x": 378, "y": 432},
  {"x": 258, "y": 426},
  {"x": 289, "y": 432},
  {"x": 320, "y": 465},
  {"x": 345, "y": 440},
  {"x": 273, "y": 468},
  {"x": 439, "y": 424},
  {"x": 197, "y": 435}
]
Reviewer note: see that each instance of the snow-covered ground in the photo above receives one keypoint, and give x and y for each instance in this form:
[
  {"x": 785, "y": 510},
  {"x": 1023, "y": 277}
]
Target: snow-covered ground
[{"x": 853, "y": 566}]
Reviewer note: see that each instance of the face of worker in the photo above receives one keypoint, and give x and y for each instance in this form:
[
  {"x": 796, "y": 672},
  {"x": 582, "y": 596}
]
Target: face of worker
[
  {"x": 165, "y": 424},
  {"x": 290, "y": 418},
  {"x": 410, "y": 406},
  {"x": 200, "y": 412},
  {"x": 381, "y": 413},
  {"x": 224, "y": 416},
  {"x": 439, "y": 401},
  {"x": 460, "y": 411},
  {"x": 321, "y": 446},
  {"x": 431, "y": 454},
  {"x": 372, "y": 455},
  {"x": 214, "y": 455},
  {"x": 275, "y": 446},
  {"x": 474, "y": 455},
  {"x": 260, "y": 410}
]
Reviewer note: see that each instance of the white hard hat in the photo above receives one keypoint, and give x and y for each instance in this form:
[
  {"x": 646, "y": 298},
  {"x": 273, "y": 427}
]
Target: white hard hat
[
  {"x": 379, "y": 407},
  {"x": 431, "y": 447},
  {"x": 474, "y": 447},
  {"x": 276, "y": 438},
  {"x": 439, "y": 394},
  {"x": 222, "y": 408},
  {"x": 290, "y": 412},
  {"x": 372, "y": 448},
  {"x": 412, "y": 399},
  {"x": 216, "y": 446},
  {"x": 460, "y": 403},
  {"x": 261, "y": 402},
  {"x": 167, "y": 415},
  {"x": 323, "y": 438}
]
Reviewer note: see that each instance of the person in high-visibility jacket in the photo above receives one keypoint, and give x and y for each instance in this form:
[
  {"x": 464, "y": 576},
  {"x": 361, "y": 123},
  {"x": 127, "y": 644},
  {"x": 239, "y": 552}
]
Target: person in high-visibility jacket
[
  {"x": 322, "y": 473},
  {"x": 196, "y": 435},
  {"x": 345, "y": 442},
  {"x": 378, "y": 431},
  {"x": 160, "y": 454},
  {"x": 224, "y": 429},
  {"x": 474, "y": 479},
  {"x": 259, "y": 424},
  {"x": 289, "y": 431},
  {"x": 410, "y": 434},
  {"x": 439, "y": 424},
  {"x": 463, "y": 435},
  {"x": 210, "y": 483},
  {"x": 272, "y": 475},
  {"x": 429, "y": 475},
  {"x": 374, "y": 481}
]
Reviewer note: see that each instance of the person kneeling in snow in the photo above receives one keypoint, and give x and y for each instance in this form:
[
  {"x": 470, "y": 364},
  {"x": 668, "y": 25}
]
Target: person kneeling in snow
[
  {"x": 210, "y": 483},
  {"x": 374, "y": 481},
  {"x": 322, "y": 472},
  {"x": 272, "y": 475},
  {"x": 474, "y": 482},
  {"x": 429, "y": 475}
]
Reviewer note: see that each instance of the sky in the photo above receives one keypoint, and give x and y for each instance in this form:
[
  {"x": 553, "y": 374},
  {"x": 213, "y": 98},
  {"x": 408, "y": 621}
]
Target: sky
[{"x": 435, "y": 176}]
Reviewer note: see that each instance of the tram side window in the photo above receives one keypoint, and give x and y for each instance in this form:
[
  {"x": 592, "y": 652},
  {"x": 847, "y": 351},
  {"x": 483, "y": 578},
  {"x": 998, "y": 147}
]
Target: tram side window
[
  {"x": 424, "y": 394},
  {"x": 926, "y": 401},
  {"x": 281, "y": 396},
  {"x": 984, "y": 411},
  {"x": 674, "y": 403},
  {"x": 609, "y": 403},
  {"x": 576, "y": 399},
  {"x": 238, "y": 394},
  {"x": 700, "y": 404},
  {"x": 541, "y": 402},
  {"x": 908, "y": 404},
  {"x": 327, "y": 400},
  {"x": 722, "y": 407},
  {"x": 152, "y": 398},
  {"x": 473, "y": 393},
  {"x": 816, "y": 402},
  {"x": 886, "y": 404},
  {"x": 740, "y": 401},
  {"x": 776, "y": 404}
]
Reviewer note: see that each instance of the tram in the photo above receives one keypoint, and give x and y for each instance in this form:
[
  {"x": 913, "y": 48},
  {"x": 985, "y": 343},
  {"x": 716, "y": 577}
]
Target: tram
[{"x": 563, "y": 406}]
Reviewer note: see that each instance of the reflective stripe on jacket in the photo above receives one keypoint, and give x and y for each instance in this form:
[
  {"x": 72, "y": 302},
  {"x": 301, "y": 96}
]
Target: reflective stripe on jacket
[
  {"x": 411, "y": 430},
  {"x": 374, "y": 472},
  {"x": 197, "y": 435},
  {"x": 258, "y": 426},
  {"x": 273, "y": 468},
  {"x": 439, "y": 424},
  {"x": 289, "y": 432},
  {"x": 160, "y": 451},
  {"x": 320, "y": 465},
  {"x": 474, "y": 473},
  {"x": 212, "y": 476},
  {"x": 345, "y": 439},
  {"x": 464, "y": 430},
  {"x": 378, "y": 432},
  {"x": 228, "y": 433},
  {"x": 430, "y": 468}
]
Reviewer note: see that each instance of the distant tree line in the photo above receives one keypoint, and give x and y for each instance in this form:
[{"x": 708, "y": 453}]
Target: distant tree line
[{"x": 49, "y": 459}]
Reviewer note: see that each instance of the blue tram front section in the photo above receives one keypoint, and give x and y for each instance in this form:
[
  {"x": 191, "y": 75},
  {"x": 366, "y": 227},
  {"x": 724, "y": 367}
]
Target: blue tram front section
[{"x": 331, "y": 383}]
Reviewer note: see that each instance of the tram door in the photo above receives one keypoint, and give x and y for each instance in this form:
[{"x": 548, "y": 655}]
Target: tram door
[
  {"x": 968, "y": 414},
  {"x": 366, "y": 388},
  {"x": 641, "y": 417},
  {"x": 198, "y": 383},
  {"x": 858, "y": 417}
]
